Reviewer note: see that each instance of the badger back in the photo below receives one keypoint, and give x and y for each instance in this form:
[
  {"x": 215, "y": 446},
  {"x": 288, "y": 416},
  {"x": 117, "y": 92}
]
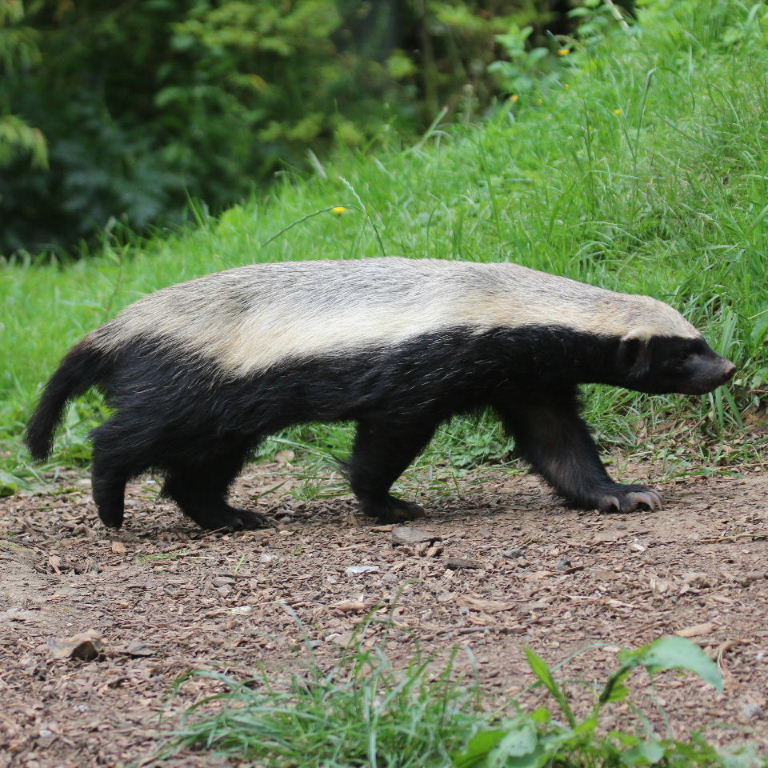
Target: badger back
[{"x": 253, "y": 318}]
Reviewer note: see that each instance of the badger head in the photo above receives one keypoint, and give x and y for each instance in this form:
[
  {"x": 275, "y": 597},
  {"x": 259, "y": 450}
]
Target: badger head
[{"x": 658, "y": 364}]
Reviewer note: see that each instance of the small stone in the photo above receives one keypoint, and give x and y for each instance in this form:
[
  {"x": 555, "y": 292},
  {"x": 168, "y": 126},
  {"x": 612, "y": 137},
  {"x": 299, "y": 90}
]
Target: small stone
[
  {"x": 459, "y": 563},
  {"x": 512, "y": 553},
  {"x": 406, "y": 534},
  {"x": 752, "y": 710},
  {"x": 85, "y": 646},
  {"x": 46, "y": 738},
  {"x": 138, "y": 649},
  {"x": 356, "y": 570},
  {"x": 698, "y": 580},
  {"x": 285, "y": 457}
]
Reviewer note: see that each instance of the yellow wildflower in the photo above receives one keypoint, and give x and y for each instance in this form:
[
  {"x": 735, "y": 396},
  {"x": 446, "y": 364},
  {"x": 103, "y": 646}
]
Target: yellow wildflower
[
  {"x": 514, "y": 98},
  {"x": 563, "y": 51},
  {"x": 339, "y": 210},
  {"x": 618, "y": 111}
]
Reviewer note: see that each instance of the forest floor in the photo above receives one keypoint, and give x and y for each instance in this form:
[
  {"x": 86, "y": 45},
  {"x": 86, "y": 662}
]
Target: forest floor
[{"x": 502, "y": 565}]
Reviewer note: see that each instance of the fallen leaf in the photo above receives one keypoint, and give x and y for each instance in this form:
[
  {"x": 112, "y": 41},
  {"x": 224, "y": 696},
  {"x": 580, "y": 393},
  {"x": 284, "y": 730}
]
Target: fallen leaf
[
  {"x": 607, "y": 537},
  {"x": 340, "y": 638},
  {"x": 481, "y": 620},
  {"x": 480, "y": 604},
  {"x": 118, "y": 547},
  {"x": 695, "y": 630},
  {"x": 351, "y": 606}
]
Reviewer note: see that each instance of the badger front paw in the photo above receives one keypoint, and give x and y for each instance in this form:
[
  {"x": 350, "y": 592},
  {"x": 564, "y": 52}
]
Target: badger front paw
[{"x": 628, "y": 498}]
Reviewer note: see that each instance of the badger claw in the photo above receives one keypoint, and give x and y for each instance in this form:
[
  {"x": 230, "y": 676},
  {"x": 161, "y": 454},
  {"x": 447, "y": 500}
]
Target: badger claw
[
  {"x": 630, "y": 499},
  {"x": 649, "y": 499}
]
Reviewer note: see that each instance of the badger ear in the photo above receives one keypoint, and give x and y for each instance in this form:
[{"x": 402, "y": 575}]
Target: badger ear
[{"x": 634, "y": 356}]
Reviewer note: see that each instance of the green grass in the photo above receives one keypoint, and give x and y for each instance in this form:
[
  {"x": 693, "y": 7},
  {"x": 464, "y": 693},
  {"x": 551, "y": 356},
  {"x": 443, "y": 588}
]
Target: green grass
[
  {"x": 367, "y": 711},
  {"x": 645, "y": 169}
]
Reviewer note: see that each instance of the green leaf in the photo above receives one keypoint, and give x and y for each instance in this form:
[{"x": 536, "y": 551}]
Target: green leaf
[
  {"x": 675, "y": 653},
  {"x": 516, "y": 746},
  {"x": 479, "y": 748},
  {"x": 9, "y": 483},
  {"x": 614, "y": 689},
  {"x": 542, "y": 671},
  {"x": 645, "y": 753},
  {"x": 519, "y": 742}
]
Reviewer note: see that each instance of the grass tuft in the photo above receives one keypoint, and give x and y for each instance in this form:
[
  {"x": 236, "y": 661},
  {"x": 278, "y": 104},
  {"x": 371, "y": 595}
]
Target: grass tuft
[{"x": 365, "y": 711}]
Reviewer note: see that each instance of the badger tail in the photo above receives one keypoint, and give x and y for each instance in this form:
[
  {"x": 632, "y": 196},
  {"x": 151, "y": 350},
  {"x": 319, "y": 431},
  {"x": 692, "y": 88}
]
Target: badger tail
[{"x": 83, "y": 367}]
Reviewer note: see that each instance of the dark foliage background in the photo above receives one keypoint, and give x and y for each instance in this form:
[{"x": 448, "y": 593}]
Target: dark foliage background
[{"x": 115, "y": 115}]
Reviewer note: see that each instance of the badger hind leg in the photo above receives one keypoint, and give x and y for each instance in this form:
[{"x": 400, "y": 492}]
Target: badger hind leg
[
  {"x": 382, "y": 451},
  {"x": 116, "y": 459},
  {"x": 200, "y": 489},
  {"x": 554, "y": 439},
  {"x": 108, "y": 488}
]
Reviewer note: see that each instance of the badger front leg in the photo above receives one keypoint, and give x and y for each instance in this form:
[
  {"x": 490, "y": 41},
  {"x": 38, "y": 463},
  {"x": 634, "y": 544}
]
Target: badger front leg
[
  {"x": 554, "y": 439},
  {"x": 382, "y": 451}
]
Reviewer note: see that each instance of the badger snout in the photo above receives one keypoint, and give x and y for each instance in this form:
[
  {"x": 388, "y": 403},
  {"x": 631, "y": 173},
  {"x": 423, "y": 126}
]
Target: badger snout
[
  {"x": 729, "y": 369},
  {"x": 708, "y": 372}
]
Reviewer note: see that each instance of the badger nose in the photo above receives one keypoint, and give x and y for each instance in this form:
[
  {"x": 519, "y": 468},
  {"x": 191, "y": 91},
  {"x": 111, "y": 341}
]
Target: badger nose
[{"x": 729, "y": 369}]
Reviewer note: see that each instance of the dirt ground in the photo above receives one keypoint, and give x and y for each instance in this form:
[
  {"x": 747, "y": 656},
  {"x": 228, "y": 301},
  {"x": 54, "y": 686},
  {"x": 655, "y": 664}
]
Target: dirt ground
[{"x": 507, "y": 567}]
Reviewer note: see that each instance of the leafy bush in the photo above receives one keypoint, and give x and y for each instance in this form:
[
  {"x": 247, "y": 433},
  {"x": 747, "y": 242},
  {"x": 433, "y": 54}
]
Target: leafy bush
[{"x": 148, "y": 104}]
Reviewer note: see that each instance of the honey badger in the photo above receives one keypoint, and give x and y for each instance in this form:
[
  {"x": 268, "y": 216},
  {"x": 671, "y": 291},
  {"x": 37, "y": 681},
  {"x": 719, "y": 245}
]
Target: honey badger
[{"x": 200, "y": 372}]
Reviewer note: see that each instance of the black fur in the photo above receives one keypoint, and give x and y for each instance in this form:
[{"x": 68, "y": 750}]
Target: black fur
[
  {"x": 197, "y": 424},
  {"x": 82, "y": 368}
]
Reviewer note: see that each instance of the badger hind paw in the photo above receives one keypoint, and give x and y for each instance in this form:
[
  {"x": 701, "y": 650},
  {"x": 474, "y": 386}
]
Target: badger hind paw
[
  {"x": 392, "y": 510},
  {"x": 249, "y": 520},
  {"x": 236, "y": 518},
  {"x": 629, "y": 498}
]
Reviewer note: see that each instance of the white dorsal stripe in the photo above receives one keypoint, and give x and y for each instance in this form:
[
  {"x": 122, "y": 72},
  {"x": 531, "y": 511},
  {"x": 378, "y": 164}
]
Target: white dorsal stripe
[{"x": 250, "y": 318}]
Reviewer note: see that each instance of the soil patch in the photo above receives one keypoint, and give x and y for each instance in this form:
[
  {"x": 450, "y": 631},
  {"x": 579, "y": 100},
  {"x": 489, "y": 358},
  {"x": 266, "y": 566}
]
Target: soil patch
[{"x": 506, "y": 567}]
